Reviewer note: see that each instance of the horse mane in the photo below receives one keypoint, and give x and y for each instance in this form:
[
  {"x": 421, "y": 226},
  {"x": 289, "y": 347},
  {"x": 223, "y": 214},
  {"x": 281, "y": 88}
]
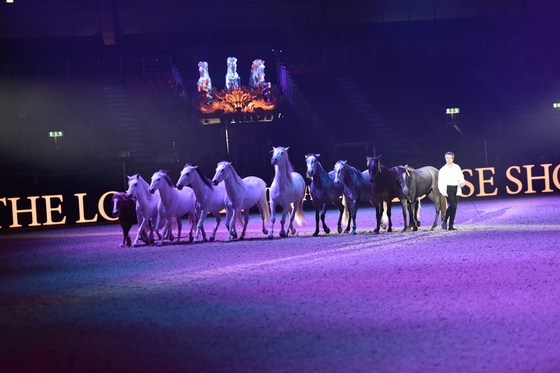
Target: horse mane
[
  {"x": 289, "y": 168},
  {"x": 203, "y": 177},
  {"x": 166, "y": 178}
]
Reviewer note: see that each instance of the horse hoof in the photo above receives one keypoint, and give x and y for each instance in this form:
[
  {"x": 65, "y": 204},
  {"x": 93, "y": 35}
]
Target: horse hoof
[
  {"x": 376, "y": 231},
  {"x": 121, "y": 245},
  {"x": 270, "y": 236},
  {"x": 415, "y": 229},
  {"x": 327, "y": 230},
  {"x": 315, "y": 234}
]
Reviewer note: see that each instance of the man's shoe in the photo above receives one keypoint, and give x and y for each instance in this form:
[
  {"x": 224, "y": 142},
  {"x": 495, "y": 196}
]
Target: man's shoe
[
  {"x": 444, "y": 225},
  {"x": 452, "y": 228}
]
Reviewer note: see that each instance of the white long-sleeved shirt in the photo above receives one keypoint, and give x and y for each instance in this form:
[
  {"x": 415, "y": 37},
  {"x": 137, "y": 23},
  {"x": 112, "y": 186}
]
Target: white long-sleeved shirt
[{"x": 450, "y": 176}]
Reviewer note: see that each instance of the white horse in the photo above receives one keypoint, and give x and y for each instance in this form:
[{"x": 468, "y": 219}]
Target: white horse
[
  {"x": 175, "y": 204},
  {"x": 232, "y": 77},
  {"x": 146, "y": 208},
  {"x": 241, "y": 194},
  {"x": 256, "y": 80},
  {"x": 204, "y": 83},
  {"x": 209, "y": 197},
  {"x": 287, "y": 190}
]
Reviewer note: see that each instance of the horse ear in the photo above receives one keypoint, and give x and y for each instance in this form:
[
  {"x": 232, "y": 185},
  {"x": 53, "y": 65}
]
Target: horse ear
[
  {"x": 318, "y": 155},
  {"x": 287, "y": 147}
]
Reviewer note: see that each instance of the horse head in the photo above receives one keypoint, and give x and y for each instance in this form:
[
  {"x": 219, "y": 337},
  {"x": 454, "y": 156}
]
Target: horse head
[
  {"x": 132, "y": 185},
  {"x": 118, "y": 201},
  {"x": 278, "y": 154},
  {"x": 404, "y": 177},
  {"x": 157, "y": 178},
  {"x": 186, "y": 176},
  {"x": 374, "y": 166},
  {"x": 257, "y": 74},
  {"x": 204, "y": 82},
  {"x": 219, "y": 176},
  {"x": 311, "y": 161},
  {"x": 338, "y": 172},
  {"x": 232, "y": 78}
]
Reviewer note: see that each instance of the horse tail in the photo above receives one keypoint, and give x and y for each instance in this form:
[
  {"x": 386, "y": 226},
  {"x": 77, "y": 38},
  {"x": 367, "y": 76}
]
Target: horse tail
[
  {"x": 265, "y": 208},
  {"x": 299, "y": 217},
  {"x": 385, "y": 217},
  {"x": 346, "y": 212}
]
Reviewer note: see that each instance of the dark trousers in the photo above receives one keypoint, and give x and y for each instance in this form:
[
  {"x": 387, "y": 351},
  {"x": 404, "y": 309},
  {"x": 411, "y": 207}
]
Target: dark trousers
[{"x": 452, "y": 201}]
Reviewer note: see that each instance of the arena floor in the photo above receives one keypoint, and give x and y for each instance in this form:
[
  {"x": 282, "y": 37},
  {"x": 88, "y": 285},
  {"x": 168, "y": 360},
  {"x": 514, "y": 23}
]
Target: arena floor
[{"x": 485, "y": 298}]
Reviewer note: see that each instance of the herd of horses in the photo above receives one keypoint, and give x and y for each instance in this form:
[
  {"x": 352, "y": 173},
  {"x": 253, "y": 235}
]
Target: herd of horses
[{"x": 159, "y": 205}]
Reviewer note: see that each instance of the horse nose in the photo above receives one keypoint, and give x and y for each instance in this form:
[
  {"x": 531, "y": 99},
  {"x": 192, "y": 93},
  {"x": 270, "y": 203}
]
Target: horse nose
[
  {"x": 180, "y": 186},
  {"x": 151, "y": 190},
  {"x": 116, "y": 213},
  {"x": 215, "y": 182}
]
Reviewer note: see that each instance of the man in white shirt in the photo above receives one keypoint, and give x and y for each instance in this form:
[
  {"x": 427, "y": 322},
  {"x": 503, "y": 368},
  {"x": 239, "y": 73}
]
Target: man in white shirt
[{"x": 450, "y": 181}]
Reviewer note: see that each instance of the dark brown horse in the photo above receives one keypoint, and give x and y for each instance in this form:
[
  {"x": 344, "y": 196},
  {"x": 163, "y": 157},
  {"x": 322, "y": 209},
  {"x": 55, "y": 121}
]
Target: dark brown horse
[
  {"x": 413, "y": 184},
  {"x": 384, "y": 187},
  {"x": 124, "y": 208}
]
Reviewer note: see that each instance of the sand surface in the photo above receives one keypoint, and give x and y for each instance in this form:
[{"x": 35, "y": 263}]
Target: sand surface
[{"x": 485, "y": 298}]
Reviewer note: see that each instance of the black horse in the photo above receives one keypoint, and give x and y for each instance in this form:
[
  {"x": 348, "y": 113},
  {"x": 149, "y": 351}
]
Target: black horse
[
  {"x": 124, "y": 208},
  {"x": 384, "y": 187},
  {"x": 413, "y": 184},
  {"x": 324, "y": 191}
]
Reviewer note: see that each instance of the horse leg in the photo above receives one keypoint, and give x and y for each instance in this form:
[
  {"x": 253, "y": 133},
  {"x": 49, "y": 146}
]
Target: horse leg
[
  {"x": 437, "y": 204},
  {"x": 218, "y": 220},
  {"x": 231, "y": 229},
  {"x": 405, "y": 207},
  {"x": 272, "y": 219},
  {"x": 354, "y": 213},
  {"x": 282, "y": 221},
  {"x": 179, "y": 228},
  {"x": 126, "y": 229},
  {"x": 262, "y": 208},
  {"x": 245, "y": 223},
  {"x": 388, "y": 210},
  {"x": 166, "y": 228},
  {"x": 378, "y": 212},
  {"x": 340, "y": 208},
  {"x": 323, "y": 213},
  {"x": 199, "y": 227},
  {"x": 292, "y": 215},
  {"x": 316, "y": 233},
  {"x": 414, "y": 215},
  {"x": 140, "y": 231}
]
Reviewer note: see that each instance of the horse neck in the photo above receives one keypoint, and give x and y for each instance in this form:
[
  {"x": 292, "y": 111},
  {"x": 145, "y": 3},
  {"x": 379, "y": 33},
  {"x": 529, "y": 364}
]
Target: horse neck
[
  {"x": 233, "y": 182},
  {"x": 166, "y": 191},
  {"x": 283, "y": 173},
  {"x": 142, "y": 190},
  {"x": 198, "y": 185},
  {"x": 320, "y": 176}
]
